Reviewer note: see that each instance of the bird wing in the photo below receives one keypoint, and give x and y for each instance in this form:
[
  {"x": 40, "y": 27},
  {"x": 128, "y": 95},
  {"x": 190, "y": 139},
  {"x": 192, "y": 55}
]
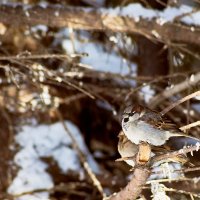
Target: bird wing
[{"x": 156, "y": 120}]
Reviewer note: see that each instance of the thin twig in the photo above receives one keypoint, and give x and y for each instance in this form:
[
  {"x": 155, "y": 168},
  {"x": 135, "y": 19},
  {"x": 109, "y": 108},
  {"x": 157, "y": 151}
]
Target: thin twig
[
  {"x": 52, "y": 75},
  {"x": 175, "y": 190},
  {"x": 176, "y": 89},
  {"x": 179, "y": 17},
  {"x": 186, "y": 127},
  {"x": 162, "y": 3},
  {"x": 169, "y": 180},
  {"x": 67, "y": 188},
  {"x": 82, "y": 157},
  {"x": 180, "y": 170},
  {"x": 43, "y": 56},
  {"x": 184, "y": 150},
  {"x": 182, "y": 192},
  {"x": 180, "y": 101},
  {"x": 78, "y": 88},
  {"x": 186, "y": 50}
]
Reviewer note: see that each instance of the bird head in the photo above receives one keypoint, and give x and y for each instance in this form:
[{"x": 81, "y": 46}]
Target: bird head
[{"x": 133, "y": 113}]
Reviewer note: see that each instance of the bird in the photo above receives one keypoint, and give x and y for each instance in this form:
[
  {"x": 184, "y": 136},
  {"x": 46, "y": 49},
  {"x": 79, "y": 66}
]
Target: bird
[
  {"x": 128, "y": 152},
  {"x": 127, "y": 149},
  {"x": 141, "y": 124}
]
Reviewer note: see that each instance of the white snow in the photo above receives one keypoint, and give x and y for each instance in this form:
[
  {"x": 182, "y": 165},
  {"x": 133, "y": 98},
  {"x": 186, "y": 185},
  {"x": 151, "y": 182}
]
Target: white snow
[
  {"x": 168, "y": 171},
  {"x": 137, "y": 11},
  {"x": 132, "y": 10},
  {"x": 147, "y": 92},
  {"x": 46, "y": 141},
  {"x": 98, "y": 58},
  {"x": 171, "y": 12},
  {"x": 158, "y": 191},
  {"x": 67, "y": 162},
  {"x": 30, "y": 179}
]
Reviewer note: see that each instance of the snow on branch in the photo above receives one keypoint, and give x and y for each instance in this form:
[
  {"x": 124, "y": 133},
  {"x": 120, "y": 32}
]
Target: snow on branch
[{"x": 134, "y": 18}]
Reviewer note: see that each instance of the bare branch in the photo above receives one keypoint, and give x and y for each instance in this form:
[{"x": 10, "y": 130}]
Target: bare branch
[
  {"x": 180, "y": 170},
  {"x": 134, "y": 187},
  {"x": 186, "y": 98},
  {"x": 185, "y": 150},
  {"x": 82, "y": 158},
  {"x": 176, "y": 89},
  {"x": 92, "y": 19},
  {"x": 186, "y": 127},
  {"x": 141, "y": 173},
  {"x": 43, "y": 56}
]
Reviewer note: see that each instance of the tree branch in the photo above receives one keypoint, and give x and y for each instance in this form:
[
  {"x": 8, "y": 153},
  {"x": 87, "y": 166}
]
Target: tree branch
[
  {"x": 184, "y": 150},
  {"x": 134, "y": 187},
  {"x": 176, "y": 89},
  {"x": 186, "y": 98},
  {"x": 140, "y": 175},
  {"x": 92, "y": 19}
]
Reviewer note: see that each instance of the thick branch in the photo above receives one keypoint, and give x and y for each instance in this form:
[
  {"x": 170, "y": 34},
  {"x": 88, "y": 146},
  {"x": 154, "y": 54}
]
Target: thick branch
[
  {"x": 134, "y": 187},
  {"x": 91, "y": 19}
]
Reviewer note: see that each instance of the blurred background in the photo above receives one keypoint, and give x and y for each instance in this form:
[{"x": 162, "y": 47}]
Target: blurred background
[{"x": 67, "y": 71}]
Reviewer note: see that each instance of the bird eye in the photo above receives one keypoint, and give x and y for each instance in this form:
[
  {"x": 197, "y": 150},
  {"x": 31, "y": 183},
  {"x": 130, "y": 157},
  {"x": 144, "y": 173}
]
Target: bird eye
[
  {"x": 126, "y": 119},
  {"x": 131, "y": 114}
]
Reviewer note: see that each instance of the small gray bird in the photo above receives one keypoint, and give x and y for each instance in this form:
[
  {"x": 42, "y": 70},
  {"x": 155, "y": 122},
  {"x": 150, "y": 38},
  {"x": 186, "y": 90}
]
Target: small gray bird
[
  {"x": 127, "y": 149},
  {"x": 141, "y": 124}
]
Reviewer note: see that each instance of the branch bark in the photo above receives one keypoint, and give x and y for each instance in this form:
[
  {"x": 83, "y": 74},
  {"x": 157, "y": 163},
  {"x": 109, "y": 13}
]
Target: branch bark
[
  {"x": 140, "y": 175},
  {"x": 91, "y": 19},
  {"x": 134, "y": 187}
]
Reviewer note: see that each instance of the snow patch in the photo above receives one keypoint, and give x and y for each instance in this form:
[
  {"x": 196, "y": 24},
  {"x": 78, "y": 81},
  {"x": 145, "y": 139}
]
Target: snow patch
[
  {"x": 137, "y": 11},
  {"x": 46, "y": 141}
]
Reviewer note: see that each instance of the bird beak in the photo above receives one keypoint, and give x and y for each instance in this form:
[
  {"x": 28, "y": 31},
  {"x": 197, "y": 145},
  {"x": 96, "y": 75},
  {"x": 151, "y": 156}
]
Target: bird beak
[
  {"x": 120, "y": 134},
  {"x": 142, "y": 113}
]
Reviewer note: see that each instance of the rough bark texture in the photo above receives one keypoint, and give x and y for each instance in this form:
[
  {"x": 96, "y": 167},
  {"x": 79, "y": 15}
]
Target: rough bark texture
[{"x": 134, "y": 187}]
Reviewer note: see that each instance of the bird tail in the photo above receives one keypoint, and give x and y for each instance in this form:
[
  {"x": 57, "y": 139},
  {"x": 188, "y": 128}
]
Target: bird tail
[{"x": 185, "y": 140}]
